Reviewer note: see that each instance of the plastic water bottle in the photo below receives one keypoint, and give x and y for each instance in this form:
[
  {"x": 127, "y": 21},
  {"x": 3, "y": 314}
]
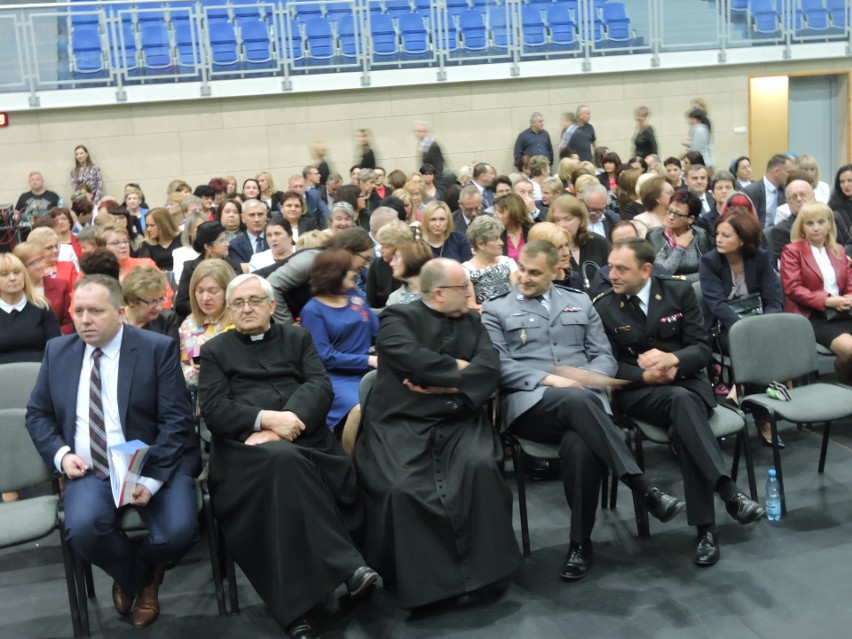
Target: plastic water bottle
[{"x": 773, "y": 497}]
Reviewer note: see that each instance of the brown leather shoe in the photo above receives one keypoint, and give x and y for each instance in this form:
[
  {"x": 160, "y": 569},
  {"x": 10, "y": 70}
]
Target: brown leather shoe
[
  {"x": 121, "y": 600},
  {"x": 146, "y": 608}
]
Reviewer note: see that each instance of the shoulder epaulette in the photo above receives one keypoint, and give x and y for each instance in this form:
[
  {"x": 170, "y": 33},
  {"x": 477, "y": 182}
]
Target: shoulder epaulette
[
  {"x": 568, "y": 288},
  {"x": 600, "y": 295}
]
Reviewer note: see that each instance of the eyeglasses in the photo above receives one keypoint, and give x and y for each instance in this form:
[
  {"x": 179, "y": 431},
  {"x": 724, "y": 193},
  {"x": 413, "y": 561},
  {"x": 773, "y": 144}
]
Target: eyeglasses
[
  {"x": 155, "y": 302},
  {"x": 222, "y": 240},
  {"x": 36, "y": 262},
  {"x": 253, "y": 302},
  {"x": 366, "y": 258},
  {"x": 458, "y": 286},
  {"x": 119, "y": 243},
  {"x": 676, "y": 214}
]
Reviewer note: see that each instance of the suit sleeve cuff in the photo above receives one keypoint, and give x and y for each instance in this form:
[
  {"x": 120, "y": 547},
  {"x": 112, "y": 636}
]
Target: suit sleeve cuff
[
  {"x": 256, "y": 426},
  {"x": 57, "y": 458},
  {"x": 153, "y": 485}
]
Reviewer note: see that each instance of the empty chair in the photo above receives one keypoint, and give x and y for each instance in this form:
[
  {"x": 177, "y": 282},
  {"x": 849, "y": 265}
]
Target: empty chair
[
  {"x": 456, "y": 7},
  {"x": 532, "y": 27},
  {"x": 563, "y": 29},
  {"x": 86, "y": 50},
  {"x": 186, "y": 43},
  {"x": 292, "y": 43},
  {"x": 84, "y": 16},
  {"x": 815, "y": 14},
  {"x": 147, "y": 14},
  {"x": 338, "y": 11},
  {"x": 382, "y": 35},
  {"x": 838, "y": 12},
  {"x": 347, "y": 33},
  {"x": 617, "y": 22},
  {"x": 764, "y": 16},
  {"x": 319, "y": 39},
  {"x": 446, "y": 36},
  {"x": 306, "y": 12},
  {"x": 223, "y": 44},
  {"x": 472, "y": 29},
  {"x": 124, "y": 51},
  {"x": 257, "y": 49},
  {"x": 156, "y": 48},
  {"x": 498, "y": 25},
  {"x": 412, "y": 33},
  {"x": 396, "y": 8},
  {"x": 245, "y": 10},
  {"x": 215, "y": 10},
  {"x": 739, "y": 5}
]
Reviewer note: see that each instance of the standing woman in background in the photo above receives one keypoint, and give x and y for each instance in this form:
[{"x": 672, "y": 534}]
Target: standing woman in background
[
  {"x": 86, "y": 172},
  {"x": 368, "y": 158},
  {"x": 644, "y": 140}
]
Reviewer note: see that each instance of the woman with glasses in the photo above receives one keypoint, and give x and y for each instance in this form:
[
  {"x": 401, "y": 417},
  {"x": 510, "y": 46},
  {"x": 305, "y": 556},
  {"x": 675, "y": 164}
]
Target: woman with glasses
[
  {"x": 680, "y": 244},
  {"x": 145, "y": 293},
  {"x": 26, "y": 321},
  {"x": 66, "y": 226},
  {"x": 55, "y": 290},
  {"x": 57, "y": 262},
  {"x": 211, "y": 243},
  {"x": 209, "y": 314},
  {"x": 343, "y": 329},
  {"x": 438, "y": 232}
]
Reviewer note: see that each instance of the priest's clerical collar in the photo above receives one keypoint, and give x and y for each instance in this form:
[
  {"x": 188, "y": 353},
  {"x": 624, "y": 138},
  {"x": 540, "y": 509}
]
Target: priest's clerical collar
[{"x": 257, "y": 338}]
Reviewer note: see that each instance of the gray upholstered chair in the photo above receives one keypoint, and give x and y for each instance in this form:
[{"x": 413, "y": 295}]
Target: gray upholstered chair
[
  {"x": 781, "y": 347},
  {"x": 29, "y": 519}
]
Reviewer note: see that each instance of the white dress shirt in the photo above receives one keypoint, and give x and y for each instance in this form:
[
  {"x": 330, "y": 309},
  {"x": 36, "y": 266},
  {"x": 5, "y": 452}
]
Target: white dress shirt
[{"x": 829, "y": 277}]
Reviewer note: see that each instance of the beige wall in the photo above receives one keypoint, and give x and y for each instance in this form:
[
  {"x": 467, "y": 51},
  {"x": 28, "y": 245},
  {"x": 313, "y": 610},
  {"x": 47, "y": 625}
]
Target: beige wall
[{"x": 154, "y": 143}]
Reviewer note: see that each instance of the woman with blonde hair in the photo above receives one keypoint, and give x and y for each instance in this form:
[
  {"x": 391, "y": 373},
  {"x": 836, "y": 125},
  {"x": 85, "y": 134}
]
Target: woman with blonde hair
[
  {"x": 807, "y": 164},
  {"x": 162, "y": 238},
  {"x": 144, "y": 291},
  {"x": 209, "y": 315},
  {"x": 268, "y": 194},
  {"x": 55, "y": 290},
  {"x": 417, "y": 194},
  {"x": 47, "y": 239},
  {"x": 26, "y": 321},
  {"x": 555, "y": 235},
  {"x": 817, "y": 279},
  {"x": 438, "y": 233}
]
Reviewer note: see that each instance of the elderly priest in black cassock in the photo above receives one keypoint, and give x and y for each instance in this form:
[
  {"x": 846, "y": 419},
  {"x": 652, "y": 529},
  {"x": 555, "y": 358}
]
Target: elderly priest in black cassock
[
  {"x": 282, "y": 488},
  {"x": 439, "y": 514}
]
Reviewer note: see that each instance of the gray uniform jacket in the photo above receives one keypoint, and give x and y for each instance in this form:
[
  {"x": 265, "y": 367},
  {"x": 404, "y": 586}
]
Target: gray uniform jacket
[{"x": 531, "y": 342}]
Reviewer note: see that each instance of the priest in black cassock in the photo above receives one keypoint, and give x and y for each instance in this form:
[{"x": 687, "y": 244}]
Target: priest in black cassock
[
  {"x": 282, "y": 488},
  {"x": 439, "y": 514}
]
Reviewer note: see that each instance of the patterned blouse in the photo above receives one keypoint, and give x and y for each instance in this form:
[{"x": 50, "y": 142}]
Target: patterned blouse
[
  {"x": 491, "y": 280},
  {"x": 192, "y": 338},
  {"x": 91, "y": 177}
]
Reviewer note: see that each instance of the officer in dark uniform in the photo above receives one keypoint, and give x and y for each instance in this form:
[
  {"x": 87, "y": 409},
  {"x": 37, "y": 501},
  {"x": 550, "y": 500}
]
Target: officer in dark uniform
[
  {"x": 554, "y": 363},
  {"x": 655, "y": 327}
]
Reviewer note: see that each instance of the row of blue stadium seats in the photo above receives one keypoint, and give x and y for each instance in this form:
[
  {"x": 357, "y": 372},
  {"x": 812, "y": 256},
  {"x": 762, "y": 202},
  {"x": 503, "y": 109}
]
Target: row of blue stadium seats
[
  {"x": 766, "y": 16},
  {"x": 164, "y": 45}
]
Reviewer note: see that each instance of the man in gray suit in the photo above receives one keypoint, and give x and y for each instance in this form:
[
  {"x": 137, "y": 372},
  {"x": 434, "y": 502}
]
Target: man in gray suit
[{"x": 555, "y": 364}]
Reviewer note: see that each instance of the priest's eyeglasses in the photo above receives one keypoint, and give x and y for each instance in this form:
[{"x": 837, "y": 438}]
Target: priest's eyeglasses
[{"x": 253, "y": 302}]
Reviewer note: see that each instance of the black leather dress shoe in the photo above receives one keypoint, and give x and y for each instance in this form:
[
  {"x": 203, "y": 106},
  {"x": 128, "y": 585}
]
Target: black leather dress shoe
[
  {"x": 744, "y": 509},
  {"x": 577, "y": 561},
  {"x": 360, "y": 581},
  {"x": 301, "y": 629},
  {"x": 707, "y": 551},
  {"x": 662, "y": 506}
]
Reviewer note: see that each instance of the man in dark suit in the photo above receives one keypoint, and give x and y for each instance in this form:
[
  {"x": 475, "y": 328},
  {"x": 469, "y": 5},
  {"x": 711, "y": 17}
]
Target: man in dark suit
[
  {"x": 430, "y": 152},
  {"x": 657, "y": 335},
  {"x": 540, "y": 330},
  {"x": 534, "y": 140},
  {"x": 328, "y": 190},
  {"x": 601, "y": 217},
  {"x": 105, "y": 385},
  {"x": 470, "y": 207},
  {"x": 696, "y": 183},
  {"x": 767, "y": 194},
  {"x": 483, "y": 179},
  {"x": 316, "y": 206},
  {"x": 251, "y": 240}
]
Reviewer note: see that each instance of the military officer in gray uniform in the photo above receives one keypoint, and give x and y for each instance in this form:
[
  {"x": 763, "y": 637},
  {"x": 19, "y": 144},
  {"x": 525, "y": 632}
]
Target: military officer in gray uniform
[{"x": 555, "y": 363}]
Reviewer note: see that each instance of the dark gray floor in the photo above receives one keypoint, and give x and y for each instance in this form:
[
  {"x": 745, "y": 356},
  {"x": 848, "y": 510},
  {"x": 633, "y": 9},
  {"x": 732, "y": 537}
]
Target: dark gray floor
[{"x": 774, "y": 580}]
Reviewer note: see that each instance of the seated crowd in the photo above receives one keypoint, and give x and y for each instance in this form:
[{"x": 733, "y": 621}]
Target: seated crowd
[{"x": 342, "y": 342}]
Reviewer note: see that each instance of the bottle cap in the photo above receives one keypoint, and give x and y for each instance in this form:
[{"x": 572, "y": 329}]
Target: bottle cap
[{"x": 772, "y": 472}]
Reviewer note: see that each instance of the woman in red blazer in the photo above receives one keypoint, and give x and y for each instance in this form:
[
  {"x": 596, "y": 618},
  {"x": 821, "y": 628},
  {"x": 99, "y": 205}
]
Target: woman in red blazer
[
  {"x": 55, "y": 289},
  {"x": 817, "y": 279}
]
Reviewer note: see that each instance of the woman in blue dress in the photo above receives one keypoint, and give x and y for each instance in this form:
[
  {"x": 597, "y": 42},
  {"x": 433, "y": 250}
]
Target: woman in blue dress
[{"x": 343, "y": 328}]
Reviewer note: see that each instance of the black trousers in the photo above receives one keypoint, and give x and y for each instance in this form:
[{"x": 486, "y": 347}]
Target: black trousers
[
  {"x": 589, "y": 442},
  {"x": 684, "y": 414}
]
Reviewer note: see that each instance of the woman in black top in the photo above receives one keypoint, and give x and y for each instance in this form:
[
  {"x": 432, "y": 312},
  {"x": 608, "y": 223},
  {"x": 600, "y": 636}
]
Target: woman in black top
[
  {"x": 841, "y": 196},
  {"x": 144, "y": 291},
  {"x": 162, "y": 237},
  {"x": 26, "y": 321}
]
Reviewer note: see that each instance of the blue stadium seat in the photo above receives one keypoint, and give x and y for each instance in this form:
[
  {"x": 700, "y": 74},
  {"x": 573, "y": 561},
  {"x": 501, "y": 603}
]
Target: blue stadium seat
[
  {"x": 147, "y": 14},
  {"x": 306, "y": 12},
  {"x": 186, "y": 43},
  {"x": 764, "y": 16},
  {"x": 456, "y": 7},
  {"x": 292, "y": 43},
  {"x": 215, "y": 10},
  {"x": 396, "y": 8},
  {"x": 319, "y": 39},
  {"x": 816, "y": 15},
  {"x": 383, "y": 35},
  {"x": 346, "y": 33},
  {"x": 412, "y": 33},
  {"x": 223, "y": 44},
  {"x": 156, "y": 49},
  {"x": 338, "y": 11},
  {"x": 86, "y": 50},
  {"x": 617, "y": 22},
  {"x": 124, "y": 51},
  {"x": 563, "y": 29},
  {"x": 245, "y": 10},
  {"x": 446, "y": 36},
  {"x": 739, "y": 5},
  {"x": 257, "y": 49},
  {"x": 473, "y": 32},
  {"x": 499, "y": 27},
  {"x": 180, "y": 12},
  {"x": 838, "y": 12},
  {"x": 532, "y": 27},
  {"x": 599, "y": 8}
]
